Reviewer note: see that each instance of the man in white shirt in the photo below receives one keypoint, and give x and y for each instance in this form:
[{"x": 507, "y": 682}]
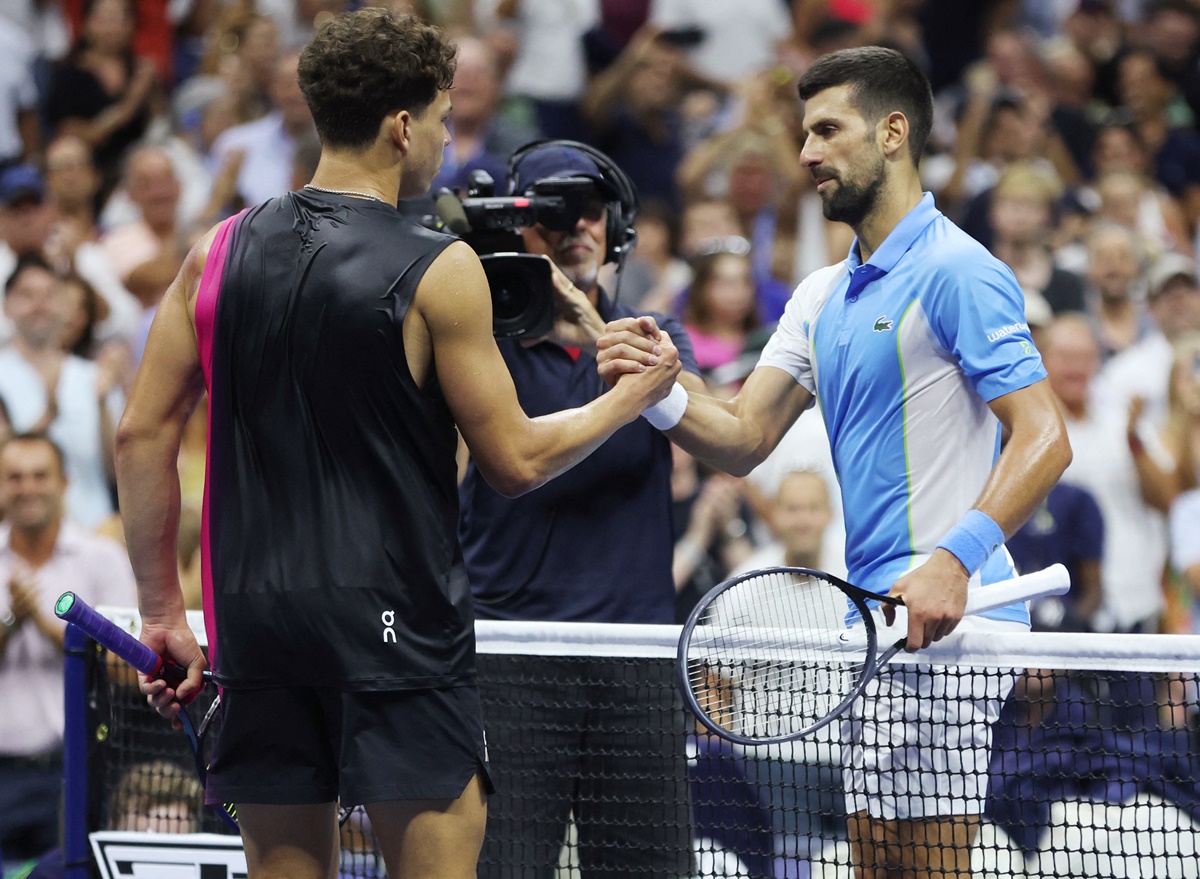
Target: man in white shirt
[
  {"x": 76, "y": 401},
  {"x": 1144, "y": 368},
  {"x": 1135, "y": 546},
  {"x": 800, "y": 517},
  {"x": 154, "y": 189},
  {"x": 41, "y": 556},
  {"x": 266, "y": 144}
]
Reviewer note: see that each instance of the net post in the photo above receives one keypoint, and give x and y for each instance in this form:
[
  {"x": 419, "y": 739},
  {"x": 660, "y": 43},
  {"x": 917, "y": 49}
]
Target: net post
[{"x": 75, "y": 747}]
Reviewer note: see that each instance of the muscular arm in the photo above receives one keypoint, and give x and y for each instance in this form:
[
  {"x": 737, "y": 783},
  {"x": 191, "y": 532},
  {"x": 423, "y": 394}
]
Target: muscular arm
[
  {"x": 737, "y": 435},
  {"x": 513, "y": 452},
  {"x": 168, "y": 385},
  {"x": 1034, "y": 458}
]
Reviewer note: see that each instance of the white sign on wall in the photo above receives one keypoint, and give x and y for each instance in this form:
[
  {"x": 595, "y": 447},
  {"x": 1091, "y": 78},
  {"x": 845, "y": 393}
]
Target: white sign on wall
[{"x": 129, "y": 855}]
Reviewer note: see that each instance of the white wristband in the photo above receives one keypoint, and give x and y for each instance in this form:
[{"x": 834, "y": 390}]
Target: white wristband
[{"x": 666, "y": 413}]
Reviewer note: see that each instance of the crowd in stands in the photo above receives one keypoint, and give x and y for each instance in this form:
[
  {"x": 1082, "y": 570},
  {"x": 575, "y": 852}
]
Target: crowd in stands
[{"x": 1066, "y": 139}]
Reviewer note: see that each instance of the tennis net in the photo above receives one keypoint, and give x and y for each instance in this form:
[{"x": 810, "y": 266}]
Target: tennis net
[{"x": 1094, "y": 771}]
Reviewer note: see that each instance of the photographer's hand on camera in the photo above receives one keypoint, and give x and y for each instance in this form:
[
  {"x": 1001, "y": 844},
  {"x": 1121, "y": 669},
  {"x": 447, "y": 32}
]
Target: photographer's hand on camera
[{"x": 577, "y": 324}]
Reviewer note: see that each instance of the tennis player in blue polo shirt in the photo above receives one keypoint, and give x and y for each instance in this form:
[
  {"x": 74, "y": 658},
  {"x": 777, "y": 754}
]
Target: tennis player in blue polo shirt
[{"x": 917, "y": 349}]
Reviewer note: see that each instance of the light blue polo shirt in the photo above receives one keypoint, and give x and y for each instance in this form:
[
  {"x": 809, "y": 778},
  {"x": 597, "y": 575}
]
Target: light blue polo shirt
[{"x": 903, "y": 354}]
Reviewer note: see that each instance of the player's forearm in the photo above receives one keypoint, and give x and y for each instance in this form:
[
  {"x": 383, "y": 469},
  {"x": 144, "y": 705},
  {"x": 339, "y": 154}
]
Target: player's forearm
[
  {"x": 1033, "y": 459},
  {"x": 1029, "y": 467},
  {"x": 148, "y": 487},
  {"x": 552, "y": 444},
  {"x": 722, "y": 435}
]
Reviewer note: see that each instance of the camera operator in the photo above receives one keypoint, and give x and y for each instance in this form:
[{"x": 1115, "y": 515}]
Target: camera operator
[{"x": 593, "y": 545}]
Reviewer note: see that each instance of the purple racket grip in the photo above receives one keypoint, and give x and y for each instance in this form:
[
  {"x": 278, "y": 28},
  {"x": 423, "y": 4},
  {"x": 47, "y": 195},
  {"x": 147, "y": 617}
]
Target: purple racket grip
[{"x": 73, "y": 609}]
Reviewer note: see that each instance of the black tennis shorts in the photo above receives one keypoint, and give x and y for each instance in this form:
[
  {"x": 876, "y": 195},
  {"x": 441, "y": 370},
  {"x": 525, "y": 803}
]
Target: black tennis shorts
[{"x": 303, "y": 745}]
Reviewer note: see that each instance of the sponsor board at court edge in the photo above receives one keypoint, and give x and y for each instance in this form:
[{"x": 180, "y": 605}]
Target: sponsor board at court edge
[{"x": 130, "y": 855}]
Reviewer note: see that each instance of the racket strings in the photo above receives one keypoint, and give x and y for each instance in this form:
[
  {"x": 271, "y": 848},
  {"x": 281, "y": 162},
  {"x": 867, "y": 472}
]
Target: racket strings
[{"x": 773, "y": 655}]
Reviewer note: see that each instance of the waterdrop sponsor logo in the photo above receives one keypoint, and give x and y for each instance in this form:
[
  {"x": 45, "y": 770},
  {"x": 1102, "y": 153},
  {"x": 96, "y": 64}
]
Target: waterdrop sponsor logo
[{"x": 997, "y": 335}]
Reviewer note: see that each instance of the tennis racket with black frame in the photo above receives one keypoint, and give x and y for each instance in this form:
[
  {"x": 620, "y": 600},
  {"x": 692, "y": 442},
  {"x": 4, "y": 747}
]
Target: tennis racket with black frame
[
  {"x": 73, "y": 609},
  {"x": 776, "y": 654}
]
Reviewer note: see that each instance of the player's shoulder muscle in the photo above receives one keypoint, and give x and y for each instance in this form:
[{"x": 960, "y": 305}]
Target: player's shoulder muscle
[{"x": 454, "y": 282}]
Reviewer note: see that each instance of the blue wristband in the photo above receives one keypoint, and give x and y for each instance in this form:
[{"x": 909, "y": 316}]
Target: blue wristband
[{"x": 973, "y": 540}]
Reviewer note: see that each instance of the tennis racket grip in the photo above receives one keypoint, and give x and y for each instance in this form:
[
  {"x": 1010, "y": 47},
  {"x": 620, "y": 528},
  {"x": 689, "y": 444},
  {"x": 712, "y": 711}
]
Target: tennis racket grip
[
  {"x": 73, "y": 609},
  {"x": 1054, "y": 580}
]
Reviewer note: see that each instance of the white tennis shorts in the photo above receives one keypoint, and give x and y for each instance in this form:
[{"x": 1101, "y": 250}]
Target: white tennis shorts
[{"x": 917, "y": 740}]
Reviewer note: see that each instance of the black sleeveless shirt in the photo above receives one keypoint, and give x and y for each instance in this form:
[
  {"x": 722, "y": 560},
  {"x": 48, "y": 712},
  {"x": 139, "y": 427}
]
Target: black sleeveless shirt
[{"x": 331, "y": 502}]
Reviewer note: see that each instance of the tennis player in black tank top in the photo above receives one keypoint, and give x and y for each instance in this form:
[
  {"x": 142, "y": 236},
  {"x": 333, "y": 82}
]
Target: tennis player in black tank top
[
  {"x": 341, "y": 346},
  {"x": 320, "y": 444}
]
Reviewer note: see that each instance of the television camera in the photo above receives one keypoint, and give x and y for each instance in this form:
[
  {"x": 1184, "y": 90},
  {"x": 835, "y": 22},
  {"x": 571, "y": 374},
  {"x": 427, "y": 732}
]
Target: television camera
[{"x": 521, "y": 286}]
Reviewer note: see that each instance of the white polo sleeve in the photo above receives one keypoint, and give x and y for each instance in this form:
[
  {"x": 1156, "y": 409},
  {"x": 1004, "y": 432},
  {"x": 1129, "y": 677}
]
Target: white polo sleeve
[{"x": 790, "y": 348}]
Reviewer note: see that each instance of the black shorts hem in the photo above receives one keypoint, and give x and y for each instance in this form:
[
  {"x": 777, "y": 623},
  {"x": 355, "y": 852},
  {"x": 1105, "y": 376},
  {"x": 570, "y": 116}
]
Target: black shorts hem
[
  {"x": 449, "y": 790},
  {"x": 361, "y": 747},
  {"x": 445, "y": 791},
  {"x": 257, "y": 795}
]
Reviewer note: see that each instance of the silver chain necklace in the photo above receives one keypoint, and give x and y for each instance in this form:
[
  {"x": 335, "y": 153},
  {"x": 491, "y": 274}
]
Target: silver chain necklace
[{"x": 345, "y": 192}]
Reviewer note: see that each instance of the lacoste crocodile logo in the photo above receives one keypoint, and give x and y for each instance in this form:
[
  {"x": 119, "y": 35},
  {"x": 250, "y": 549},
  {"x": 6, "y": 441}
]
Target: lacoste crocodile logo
[{"x": 882, "y": 324}]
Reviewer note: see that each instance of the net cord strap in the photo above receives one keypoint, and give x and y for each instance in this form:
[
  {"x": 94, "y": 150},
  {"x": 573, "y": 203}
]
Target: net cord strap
[{"x": 1066, "y": 651}]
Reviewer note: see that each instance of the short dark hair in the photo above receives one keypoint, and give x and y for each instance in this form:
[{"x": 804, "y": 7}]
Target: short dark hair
[
  {"x": 25, "y": 262},
  {"x": 39, "y": 437},
  {"x": 362, "y": 65},
  {"x": 882, "y": 80}
]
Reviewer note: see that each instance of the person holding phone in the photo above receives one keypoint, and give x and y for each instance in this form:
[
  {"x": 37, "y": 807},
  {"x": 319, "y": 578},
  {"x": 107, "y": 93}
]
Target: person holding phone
[
  {"x": 633, "y": 106},
  {"x": 746, "y": 43}
]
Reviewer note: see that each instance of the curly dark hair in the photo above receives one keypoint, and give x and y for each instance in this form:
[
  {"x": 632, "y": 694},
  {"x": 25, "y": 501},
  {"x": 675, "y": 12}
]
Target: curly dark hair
[{"x": 363, "y": 65}]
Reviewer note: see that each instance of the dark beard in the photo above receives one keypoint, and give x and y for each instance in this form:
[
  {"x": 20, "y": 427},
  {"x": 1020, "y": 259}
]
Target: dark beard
[{"x": 850, "y": 203}]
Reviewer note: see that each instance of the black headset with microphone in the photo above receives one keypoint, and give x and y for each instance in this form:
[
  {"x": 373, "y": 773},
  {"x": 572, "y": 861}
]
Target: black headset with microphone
[{"x": 620, "y": 234}]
